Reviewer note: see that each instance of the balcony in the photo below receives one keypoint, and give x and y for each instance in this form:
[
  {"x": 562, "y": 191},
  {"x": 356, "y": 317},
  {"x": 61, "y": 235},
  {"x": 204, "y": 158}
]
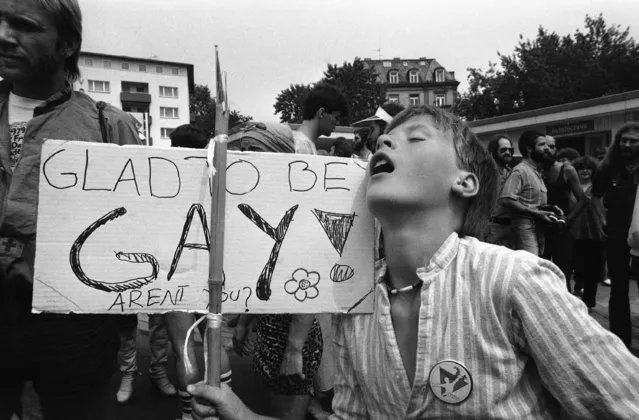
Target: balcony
[{"x": 135, "y": 97}]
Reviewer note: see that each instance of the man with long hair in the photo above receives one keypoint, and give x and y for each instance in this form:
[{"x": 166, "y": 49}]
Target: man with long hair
[
  {"x": 616, "y": 183},
  {"x": 69, "y": 357}
]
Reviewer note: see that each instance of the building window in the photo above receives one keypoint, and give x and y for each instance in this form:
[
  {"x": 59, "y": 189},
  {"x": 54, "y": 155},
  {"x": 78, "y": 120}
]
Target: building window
[
  {"x": 99, "y": 86},
  {"x": 142, "y": 67},
  {"x": 167, "y": 112},
  {"x": 413, "y": 76},
  {"x": 88, "y": 61},
  {"x": 158, "y": 69},
  {"x": 386, "y": 64},
  {"x": 168, "y": 92},
  {"x": 175, "y": 71},
  {"x": 439, "y": 75},
  {"x": 440, "y": 100},
  {"x": 393, "y": 99},
  {"x": 413, "y": 99},
  {"x": 393, "y": 77},
  {"x": 107, "y": 64},
  {"x": 165, "y": 133},
  {"x": 125, "y": 66}
]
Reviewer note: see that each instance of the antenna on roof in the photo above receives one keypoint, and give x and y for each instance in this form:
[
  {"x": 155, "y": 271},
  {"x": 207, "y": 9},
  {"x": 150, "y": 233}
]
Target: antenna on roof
[{"x": 379, "y": 47}]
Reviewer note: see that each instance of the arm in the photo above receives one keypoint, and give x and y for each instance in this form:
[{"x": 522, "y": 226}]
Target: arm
[
  {"x": 509, "y": 198},
  {"x": 121, "y": 127},
  {"x": 572, "y": 178},
  {"x": 241, "y": 333},
  {"x": 586, "y": 368},
  {"x": 298, "y": 333},
  {"x": 348, "y": 402}
]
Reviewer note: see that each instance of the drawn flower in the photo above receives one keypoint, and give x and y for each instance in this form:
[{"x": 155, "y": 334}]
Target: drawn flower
[{"x": 303, "y": 284}]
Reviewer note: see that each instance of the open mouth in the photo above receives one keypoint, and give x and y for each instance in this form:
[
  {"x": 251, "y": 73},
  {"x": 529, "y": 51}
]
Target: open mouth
[{"x": 381, "y": 164}]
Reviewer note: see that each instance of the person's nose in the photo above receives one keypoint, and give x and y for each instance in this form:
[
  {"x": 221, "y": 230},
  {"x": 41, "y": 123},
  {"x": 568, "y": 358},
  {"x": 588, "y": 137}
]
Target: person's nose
[
  {"x": 7, "y": 35},
  {"x": 385, "y": 141}
]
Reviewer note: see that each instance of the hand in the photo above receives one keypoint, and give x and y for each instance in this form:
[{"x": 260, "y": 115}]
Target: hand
[
  {"x": 545, "y": 216},
  {"x": 292, "y": 363},
  {"x": 222, "y": 403},
  {"x": 240, "y": 340}
]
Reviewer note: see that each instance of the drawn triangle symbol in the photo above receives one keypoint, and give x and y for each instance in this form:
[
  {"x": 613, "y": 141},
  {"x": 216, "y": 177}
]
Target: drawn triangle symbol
[{"x": 337, "y": 226}]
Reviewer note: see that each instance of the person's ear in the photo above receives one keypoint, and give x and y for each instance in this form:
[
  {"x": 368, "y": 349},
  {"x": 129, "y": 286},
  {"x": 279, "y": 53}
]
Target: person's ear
[
  {"x": 466, "y": 185},
  {"x": 69, "y": 48},
  {"x": 320, "y": 113}
]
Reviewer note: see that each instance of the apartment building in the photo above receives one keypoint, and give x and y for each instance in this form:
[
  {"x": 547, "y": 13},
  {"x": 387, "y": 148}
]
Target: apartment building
[
  {"x": 155, "y": 92},
  {"x": 421, "y": 81}
]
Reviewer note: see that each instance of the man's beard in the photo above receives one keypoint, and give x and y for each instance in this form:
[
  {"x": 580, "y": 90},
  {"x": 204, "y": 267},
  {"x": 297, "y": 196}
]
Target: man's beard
[
  {"x": 504, "y": 161},
  {"x": 542, "y": 157},
  {"x": 45, "y": 66}
]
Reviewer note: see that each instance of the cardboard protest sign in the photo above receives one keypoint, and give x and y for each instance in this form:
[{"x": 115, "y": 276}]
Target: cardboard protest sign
[{"x": 125, "y": 229}]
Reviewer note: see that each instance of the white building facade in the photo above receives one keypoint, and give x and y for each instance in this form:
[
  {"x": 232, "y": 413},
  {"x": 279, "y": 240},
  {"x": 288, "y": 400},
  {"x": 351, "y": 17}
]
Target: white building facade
[{"x": 155, "y": 92}]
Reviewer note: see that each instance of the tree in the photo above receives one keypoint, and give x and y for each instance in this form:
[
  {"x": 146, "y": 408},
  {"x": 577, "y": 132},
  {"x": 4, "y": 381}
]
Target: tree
[
  {"x": 358, "y": 82},
  {"x": 202, "y": 107},
  {"x": 552, "y": 70},
  {"x": 235, "y": 117},
  {"x": 289, "y": 103},
  {"x": 361, "y": 87}
]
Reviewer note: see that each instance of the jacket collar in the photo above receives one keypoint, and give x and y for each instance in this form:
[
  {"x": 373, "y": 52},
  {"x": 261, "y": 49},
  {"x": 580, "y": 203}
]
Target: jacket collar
[{"x": 50, "y": 103}]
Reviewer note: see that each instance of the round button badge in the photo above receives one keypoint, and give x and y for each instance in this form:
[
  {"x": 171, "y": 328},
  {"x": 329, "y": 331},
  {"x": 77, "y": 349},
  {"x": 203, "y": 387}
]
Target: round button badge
[{"x": 450, "y": 381}]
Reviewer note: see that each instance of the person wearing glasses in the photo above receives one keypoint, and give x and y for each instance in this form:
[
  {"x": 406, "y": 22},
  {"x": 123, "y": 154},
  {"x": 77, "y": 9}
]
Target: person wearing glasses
[{"x": 500, "y": 227}]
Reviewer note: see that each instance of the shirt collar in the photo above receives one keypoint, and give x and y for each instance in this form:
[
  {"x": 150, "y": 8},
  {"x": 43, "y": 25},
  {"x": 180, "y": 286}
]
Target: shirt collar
[
  {"x": 439, "y": 261},
  {"x": 526, "y": 162}
]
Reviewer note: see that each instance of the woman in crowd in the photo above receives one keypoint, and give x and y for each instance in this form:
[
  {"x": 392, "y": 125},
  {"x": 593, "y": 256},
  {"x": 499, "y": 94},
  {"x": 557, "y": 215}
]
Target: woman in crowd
[{"x": 588, "y": 231}]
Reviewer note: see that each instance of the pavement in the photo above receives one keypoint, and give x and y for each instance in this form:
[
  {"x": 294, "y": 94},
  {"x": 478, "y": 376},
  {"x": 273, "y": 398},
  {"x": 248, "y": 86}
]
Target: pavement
[{"x": 148, "y": 404}]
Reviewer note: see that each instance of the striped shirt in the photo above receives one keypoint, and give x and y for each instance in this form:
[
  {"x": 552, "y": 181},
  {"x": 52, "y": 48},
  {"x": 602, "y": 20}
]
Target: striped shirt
[
  {"x": 529, "y": 347},
  {"x": 526, "y": 185}
]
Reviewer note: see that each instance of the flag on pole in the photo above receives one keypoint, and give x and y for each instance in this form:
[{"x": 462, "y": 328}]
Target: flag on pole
[
  {"x": 221, "y": 99},
  {"x": 220, "y": 95}
]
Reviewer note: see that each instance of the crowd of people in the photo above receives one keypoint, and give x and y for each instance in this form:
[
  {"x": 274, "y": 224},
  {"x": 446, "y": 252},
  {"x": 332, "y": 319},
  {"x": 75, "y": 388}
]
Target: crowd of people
[
  {"x": 573, "y": 210},
  {"x": 480, "y": 266}
]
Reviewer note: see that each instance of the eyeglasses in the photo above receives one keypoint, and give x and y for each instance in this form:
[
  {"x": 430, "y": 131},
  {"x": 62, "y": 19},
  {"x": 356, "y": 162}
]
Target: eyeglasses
[{"x": 506, "y": 149}]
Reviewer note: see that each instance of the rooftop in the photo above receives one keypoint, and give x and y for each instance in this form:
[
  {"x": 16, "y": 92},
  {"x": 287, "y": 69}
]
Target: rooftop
[{"x": 189, "y": 67}]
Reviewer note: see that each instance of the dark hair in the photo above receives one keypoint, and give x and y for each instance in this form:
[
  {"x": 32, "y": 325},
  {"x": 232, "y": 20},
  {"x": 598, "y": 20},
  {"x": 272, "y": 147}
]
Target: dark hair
[
  {"x": 493, "y": 144},
  {"x": 613, "y": 155},
  {"x": 324, "y": 96},
  {"x": 527, "y": 139},
  {"x": 68, "y": 22},
  {"x": 586, "y": 162},
  {"x": 343, "y": 147},
  {"x": 363, "y": 133},
  {"x": 568, "y": 153},
  {"x": 189, "y": 135},
  {"x": 471, "y": 157}
]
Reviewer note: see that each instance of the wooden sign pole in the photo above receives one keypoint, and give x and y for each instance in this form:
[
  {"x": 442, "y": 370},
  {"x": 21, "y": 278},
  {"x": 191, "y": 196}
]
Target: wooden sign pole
[
  {"x": 216, "y": 263},
  {"x": 216, "y": 253}
]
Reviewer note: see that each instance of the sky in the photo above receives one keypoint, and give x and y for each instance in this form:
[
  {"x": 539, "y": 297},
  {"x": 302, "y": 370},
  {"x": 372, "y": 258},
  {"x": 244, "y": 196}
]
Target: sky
[{"x": 266, "y": 45}]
